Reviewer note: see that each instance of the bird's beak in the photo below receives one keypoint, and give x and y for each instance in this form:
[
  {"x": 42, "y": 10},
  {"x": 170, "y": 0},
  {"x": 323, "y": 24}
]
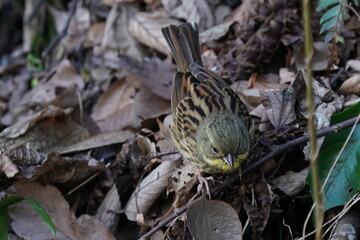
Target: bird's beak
[{"x": 230, "y": 159}]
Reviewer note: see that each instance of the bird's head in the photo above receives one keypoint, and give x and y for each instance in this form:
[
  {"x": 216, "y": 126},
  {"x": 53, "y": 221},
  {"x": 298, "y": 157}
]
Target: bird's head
[{"x": 223, "y": 141}]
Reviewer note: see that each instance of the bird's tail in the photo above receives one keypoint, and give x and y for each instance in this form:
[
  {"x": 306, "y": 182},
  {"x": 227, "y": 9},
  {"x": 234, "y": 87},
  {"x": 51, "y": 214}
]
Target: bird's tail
[{"x": 184, "y": 44}]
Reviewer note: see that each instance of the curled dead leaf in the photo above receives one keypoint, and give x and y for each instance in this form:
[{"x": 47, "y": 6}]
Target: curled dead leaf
[
  {"x": 149, "y": 190},
  {"x": 351, "y": 86}
]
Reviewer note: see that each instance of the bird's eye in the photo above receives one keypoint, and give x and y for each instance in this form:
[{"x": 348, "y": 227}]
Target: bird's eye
[{"x": 215, "y": 150}]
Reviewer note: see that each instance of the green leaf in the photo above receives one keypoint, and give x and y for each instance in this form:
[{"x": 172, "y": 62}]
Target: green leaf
[
  {"x": 340, "y": 39},
  {"x": 43, "y": 214},
  {"x": 4, "y": 223},
  {"x": 344, "y": 179},
  {"x": 4, "y": 204},
  {"x": 328, "y": 25},
  {"x": 356, "y": 2},
  {"x": 329, "y": 36},
  {"x": 326, "y": 3},
  {"x": 332, "y": 12}
]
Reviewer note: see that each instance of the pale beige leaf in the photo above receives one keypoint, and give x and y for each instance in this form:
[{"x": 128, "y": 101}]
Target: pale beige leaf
[
  {"x": 353, "y": 64},
  {"x": 215, "y": 32},
  {"x": 291, "y": 183},
  {"x": 110, "y": 205},
  {"x": 351, "y": 86},
  {"x": 150, "y": 188},
  {"x": 192, "y": 11},
  {"x": 117, "y": 37},
  {"x": 7, "y": 166},
  {"x": 213, "y": 219},
  {"x": 146, "y": 28},
  {"x": 286, "y": 75}
]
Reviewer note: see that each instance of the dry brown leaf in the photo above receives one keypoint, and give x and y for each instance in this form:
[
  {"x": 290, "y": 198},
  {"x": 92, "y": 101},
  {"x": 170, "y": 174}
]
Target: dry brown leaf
[
  {"x": 291, "y": 183},
  {"x": 146, "y": 28},
  {"x": 260, "y": 83},
  {"x": 117, "y": 38},
  {"x": 351, "y": 86},
  {"x": 98, "y": 140},
  {"x": 95, "y": 34},
  {"x": 29, "y": 225},
  {"x": 65, "y": 76},
  {"x": 192, "y": 10},
  {"x": 279, "y": 106},
  {"x": 113, "y": 109},
  {"x": 155, "y": 74},
  {"x": 79, "y": 25},
  {"x": 319, "y": 59},
  {"x": 258, "y": 204},
  {"x": 110, "y": 205},
  {"x": 150, "y": 188},
  {"x": 148, "y": 105},
  {"x": 47, "y": 129}
]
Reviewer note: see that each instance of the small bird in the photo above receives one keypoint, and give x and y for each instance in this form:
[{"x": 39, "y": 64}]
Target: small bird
[{"x": 211, "y": 126}]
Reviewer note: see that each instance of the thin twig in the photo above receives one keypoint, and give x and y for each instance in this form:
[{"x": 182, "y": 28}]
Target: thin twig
[
  {"x": 63, "y": 33},
  {"x": 251, "y": 166}
]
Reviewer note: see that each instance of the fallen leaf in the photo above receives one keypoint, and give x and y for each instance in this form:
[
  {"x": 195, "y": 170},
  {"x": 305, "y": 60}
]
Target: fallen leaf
[
  {"x": 291, "y": 183},
  {"x": 279, "y": 106},
  {"x": 351, "y": 86},
  {"x": 146, "y": 28},
  {"x": 155, "y": 74},
  {"x": 193, "y": 11},
  {"x": 61, "y": 130},
  {"x": 213, "y": 219},
  {"x": 149, "y": 189},
  {"x": 27, "y": 224}
]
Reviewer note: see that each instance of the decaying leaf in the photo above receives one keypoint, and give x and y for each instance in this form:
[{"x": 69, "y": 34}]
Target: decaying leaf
[
  {"x": 7, "y": 166},
  {"x": 215, "y": 32},
  {"x": 213, "y": 220},
  {"x": 193, "y": 11},
  {"x": 147, "y": 192},
  {"x": 155, "y": 74},
  {"x": 98, "y": 140},
  {"x": 117, "y": 36},
  {"x": 25, "y": 219},
  {"x": 351, "y": 86},
  {"x": 319, "y": 59},
  {"x": 291, "y": 183},
  {"x": 146, "y": 28},
  {"x": 65, "y": 76},
  {"x": 279, "y": 106},
  {"x": 43, "y": 131},
  {"x": 110, "y": 205},
  {"x": 257, "y": 197},
  {"x": 353, "y": 64}
]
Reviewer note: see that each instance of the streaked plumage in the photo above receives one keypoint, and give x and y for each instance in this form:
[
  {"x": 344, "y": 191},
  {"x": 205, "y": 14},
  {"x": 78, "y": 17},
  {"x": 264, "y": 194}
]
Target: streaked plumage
[{"x": 211, "y": 126}]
